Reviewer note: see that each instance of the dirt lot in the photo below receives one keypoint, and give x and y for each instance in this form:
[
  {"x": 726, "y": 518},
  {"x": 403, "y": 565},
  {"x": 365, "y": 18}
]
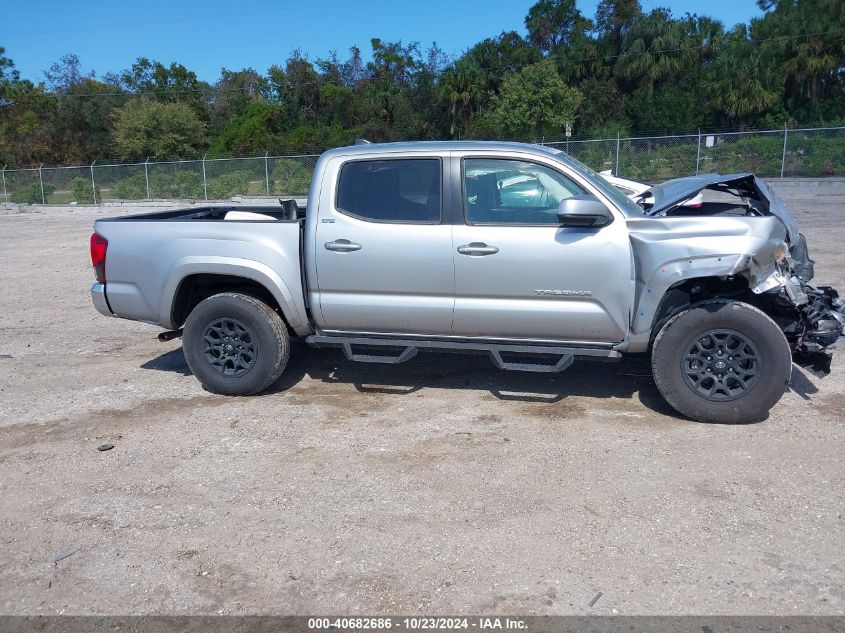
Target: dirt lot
[{"x": 441, "y": 485}]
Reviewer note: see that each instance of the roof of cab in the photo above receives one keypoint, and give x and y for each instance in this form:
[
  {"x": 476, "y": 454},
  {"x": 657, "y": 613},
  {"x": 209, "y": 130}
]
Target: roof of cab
[{"x": 421, "y": 146}]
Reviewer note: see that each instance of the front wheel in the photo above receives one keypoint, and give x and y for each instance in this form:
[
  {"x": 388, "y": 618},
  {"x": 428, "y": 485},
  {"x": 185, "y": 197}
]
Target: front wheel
[
  {"x": 721, "y": 361},
  {"x": 235, "y": 344}
]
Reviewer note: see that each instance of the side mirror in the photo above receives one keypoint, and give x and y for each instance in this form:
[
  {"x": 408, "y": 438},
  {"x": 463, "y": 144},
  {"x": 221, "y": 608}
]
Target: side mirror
[{"x": 584, "y": 211}]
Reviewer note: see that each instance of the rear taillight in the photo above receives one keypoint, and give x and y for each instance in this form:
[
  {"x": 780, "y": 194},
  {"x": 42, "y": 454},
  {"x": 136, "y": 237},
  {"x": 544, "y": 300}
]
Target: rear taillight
[{"x": 99, "y": 244}]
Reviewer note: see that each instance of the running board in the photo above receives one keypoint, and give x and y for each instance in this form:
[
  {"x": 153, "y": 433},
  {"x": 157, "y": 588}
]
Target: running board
[
  {"x": 409, "y": 347},
  {"x": 563, "y": 363},
  {"x": 407, "y": 354}
]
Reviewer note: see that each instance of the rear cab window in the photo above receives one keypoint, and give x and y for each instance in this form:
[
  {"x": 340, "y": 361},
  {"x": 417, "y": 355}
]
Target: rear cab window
[{"x": 398, "y": 190}]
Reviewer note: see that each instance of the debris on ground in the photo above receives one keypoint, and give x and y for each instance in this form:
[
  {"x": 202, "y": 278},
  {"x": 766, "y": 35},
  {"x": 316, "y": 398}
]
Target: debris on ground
[{"x": 65, "y": 553}]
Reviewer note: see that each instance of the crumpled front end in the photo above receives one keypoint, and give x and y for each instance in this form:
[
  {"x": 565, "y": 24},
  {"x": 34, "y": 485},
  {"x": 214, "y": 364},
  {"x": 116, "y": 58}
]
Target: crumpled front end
[{"x": 811, "y": 316}]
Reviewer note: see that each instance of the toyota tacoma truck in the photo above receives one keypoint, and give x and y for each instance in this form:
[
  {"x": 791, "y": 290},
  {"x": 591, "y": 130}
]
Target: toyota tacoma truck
[{"x": 514, "y": 250}]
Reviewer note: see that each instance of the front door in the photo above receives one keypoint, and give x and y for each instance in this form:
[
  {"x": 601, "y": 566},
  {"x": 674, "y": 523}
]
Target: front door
[
  {"x": 518, "y": 274},
  {"x": 383, "y": 250}
]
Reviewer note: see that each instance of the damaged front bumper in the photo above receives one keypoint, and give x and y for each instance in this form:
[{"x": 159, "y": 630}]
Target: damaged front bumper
[
  {"x": 811, "y": 316},
  {"x": 822, "y": 320}
]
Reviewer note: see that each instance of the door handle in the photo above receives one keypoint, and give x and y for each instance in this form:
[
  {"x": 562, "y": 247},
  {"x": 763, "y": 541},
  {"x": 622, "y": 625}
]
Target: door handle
[
  {"x": 477, "y": 248},
  {"x": 342, "y": 246}
]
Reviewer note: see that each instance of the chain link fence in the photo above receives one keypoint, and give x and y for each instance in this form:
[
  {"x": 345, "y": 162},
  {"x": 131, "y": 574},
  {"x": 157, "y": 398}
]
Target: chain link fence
[{"x": 815, "y": 152}]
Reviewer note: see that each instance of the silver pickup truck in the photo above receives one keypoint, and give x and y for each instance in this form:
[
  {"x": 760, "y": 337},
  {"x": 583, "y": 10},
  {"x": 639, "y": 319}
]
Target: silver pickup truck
[{"x": 511, "y": 249}]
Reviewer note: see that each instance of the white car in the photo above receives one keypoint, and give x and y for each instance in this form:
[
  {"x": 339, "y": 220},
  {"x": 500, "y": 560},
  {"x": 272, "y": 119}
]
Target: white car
[{"x": 635, "y": 190}]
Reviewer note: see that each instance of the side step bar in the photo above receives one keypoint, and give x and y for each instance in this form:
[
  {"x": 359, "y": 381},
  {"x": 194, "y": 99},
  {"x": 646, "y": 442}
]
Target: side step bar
[
  {"x": 407, "y": 354},
  {"x": 409, "y": 348},
  {"x": 563, "y": 363}
]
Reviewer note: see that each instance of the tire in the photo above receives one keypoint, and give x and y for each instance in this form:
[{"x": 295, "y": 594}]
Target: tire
[
  {"x": 740, "y": 384},
  {"x": 235, "y": 344}
]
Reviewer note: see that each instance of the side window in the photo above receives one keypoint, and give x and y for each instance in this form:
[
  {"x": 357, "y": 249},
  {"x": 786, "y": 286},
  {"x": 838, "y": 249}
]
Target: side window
[
  {"x": 395, "y": 190},
  {"x": 499, "y": 191}
]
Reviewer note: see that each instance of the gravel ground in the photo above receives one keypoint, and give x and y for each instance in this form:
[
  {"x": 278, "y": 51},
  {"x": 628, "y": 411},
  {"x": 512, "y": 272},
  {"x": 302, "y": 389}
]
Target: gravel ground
[{"x": 438, "y": 486}]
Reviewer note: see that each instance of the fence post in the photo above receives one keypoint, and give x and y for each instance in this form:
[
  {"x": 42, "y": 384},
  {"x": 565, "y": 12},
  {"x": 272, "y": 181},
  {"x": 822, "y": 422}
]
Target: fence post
[
  {"x": 5, "y": 195},
  {"x": 267, "y": 172},
  {"x": 783, "y": 156},
  {"x": 93, "y": 186},
  {"x": 698, "y": 153},
  {"x": 41, "y": 182},
  {"x": 147, "y": 176},
  {"x": 616, "y": 170},
  {"x": 204, "y": 182}
]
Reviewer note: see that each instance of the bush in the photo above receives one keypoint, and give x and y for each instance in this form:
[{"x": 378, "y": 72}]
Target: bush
[
  {"x": 31, "y": 194},
  {"x": 132, "y": 188},
  {"x": 812, "y": 155},
  {"x": 179, "y": 184},
  {"x": 290, "y": 178},
  {"x": 758, "y": 154},
  {"x": 81, "y": 190},
  {"x": 229, "y": 184}
]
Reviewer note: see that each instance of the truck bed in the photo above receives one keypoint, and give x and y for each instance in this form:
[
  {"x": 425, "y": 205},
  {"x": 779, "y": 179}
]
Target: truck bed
[
  {"x": 209, "y": 213},
  {"x": 151, "y": 255}
]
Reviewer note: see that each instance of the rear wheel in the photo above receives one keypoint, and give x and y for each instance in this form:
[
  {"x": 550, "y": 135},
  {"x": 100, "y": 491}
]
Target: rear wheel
[
  {"x": 235, "y": 344},
  {"x": 721, "y": 361}
]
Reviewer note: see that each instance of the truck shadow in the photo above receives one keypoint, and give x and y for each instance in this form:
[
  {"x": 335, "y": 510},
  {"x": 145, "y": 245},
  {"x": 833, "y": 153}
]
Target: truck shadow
[{"x": 628, "y": 378}]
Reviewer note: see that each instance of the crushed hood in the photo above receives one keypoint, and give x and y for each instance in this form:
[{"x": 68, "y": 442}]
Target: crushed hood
[{"x": 673, "y": 192}]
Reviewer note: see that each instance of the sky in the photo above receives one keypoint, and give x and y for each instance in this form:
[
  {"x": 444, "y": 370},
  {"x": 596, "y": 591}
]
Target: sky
[{"x": 208, "y": 35}]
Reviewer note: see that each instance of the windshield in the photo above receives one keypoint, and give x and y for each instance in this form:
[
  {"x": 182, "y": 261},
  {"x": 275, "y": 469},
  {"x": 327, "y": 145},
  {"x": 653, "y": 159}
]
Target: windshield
[{"x": 625, "y": 204}]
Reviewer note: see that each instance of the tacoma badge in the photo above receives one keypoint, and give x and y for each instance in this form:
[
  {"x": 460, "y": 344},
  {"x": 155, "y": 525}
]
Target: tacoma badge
[{"x": 564, "y": 293}]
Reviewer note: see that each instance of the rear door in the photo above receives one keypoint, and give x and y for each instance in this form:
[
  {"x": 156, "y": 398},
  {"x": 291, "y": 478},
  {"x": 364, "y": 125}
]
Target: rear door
[
  {"x": 518, "y": 273},
  {"x": 383, "y": 248}
]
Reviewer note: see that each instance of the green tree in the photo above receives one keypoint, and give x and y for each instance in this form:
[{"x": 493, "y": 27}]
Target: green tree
[
  {"x": 164, "y": 130},
  {"x": 260, "y": 128},
  {"x": 803, "y": 40},
  {"x": 551, "y": 24},
  {"x": 174, "y": 83},
  {"x": 7, "y": 68},
  {"x": 533, "y": 103},
  {"x": 462, "y": 90},
  {"x": 26, "y": 115},
  {"x": 741, "y": 83},
  {"x": 66, "y": 73},
  {"x": 602, "y": 108},
  {"x": 234, "y": 92},
  {"x": 653, "y": 50},
  {"x": 614, "y": 18}
]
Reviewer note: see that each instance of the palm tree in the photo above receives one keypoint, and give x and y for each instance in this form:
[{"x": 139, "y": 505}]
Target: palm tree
[
  {"x": 461, "y": 89},
  {"x": 740, "y": 82},
  {"x": 654, "y": 49}
]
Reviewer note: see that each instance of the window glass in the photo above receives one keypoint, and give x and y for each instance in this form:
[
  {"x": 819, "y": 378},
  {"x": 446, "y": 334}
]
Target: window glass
[
  {"x": 406, "y": 190},
  {"x": 514, "y": 192},
  {"x": 628, "y": 206}
]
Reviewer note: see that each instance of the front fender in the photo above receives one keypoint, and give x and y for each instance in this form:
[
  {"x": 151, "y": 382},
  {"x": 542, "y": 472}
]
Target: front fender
[
  {"x": 672, "y": 273},
  {"x": 669, "y": 251},
  {"x": 292, "y": 305}
]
